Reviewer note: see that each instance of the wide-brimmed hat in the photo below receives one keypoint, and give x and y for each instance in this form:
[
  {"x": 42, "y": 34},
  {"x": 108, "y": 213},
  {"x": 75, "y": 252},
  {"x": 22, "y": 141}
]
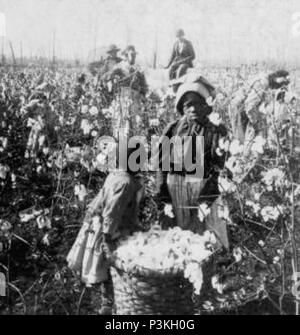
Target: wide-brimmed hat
[
  {"x": 112, "y": 48},
  {"x": 128, "y": 48},
  {"x": 197, "y": 85}
]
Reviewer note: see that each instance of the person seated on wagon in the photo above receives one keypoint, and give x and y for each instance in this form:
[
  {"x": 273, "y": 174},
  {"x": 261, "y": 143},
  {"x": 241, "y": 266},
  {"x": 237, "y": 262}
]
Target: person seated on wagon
[{"x": 182, "y": 56}]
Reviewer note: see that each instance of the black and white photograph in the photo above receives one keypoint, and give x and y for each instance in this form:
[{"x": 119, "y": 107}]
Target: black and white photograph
[{"x": 149, "y": 160}]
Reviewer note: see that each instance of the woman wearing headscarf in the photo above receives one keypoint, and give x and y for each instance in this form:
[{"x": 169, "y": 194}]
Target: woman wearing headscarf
[{"x": 185, "y": 190}]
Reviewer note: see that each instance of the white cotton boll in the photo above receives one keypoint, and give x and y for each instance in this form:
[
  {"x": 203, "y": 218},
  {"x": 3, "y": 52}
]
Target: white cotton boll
[
  {"x": 270, "y": 213},
  {"x": 262, "y": 109},
  {"x": 4, "y": 142},
  {"x": 109, "y": 86},
  {"x": 84, "y": 109},
  {"x": 80, "y": 192},
  {"x": 42, "y": 139},
  {"x": 26, "y": 217},
  {"x": 4, "y": 169},
  {"x": 275, "y": 176},
  {"x": 216, "y": 284},
  {"x": 46, "y": 240},
  {"x": 225, "y": 185},
  {"x": 39, "y": 169},
  {"x": 219, "y": 152},
  {"x": 203, "y": 212},
  {"x": 94, "y": 111},
  {"x": 46, "y": 151},
  {"x": 233, "y": 165},
  {"x": 86, "y": 127},
  {"x": 168, "y": 210},
  {"x": 13, "y": 178},
  {"x": 43, "y": 221},
  {"x": 255, "y": 207},
  {"x": 94, "y": 133},
  {"x": 235, "y": 147},
  {"x": 258, "y": 145},
  {"x": 237, "y": 254},
  {"x": 215, "y": 118},
  {"x": 61, "y": 120}
]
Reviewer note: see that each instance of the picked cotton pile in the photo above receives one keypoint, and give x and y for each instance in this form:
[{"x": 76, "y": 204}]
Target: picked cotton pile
[{"x": 168, "y": 251}]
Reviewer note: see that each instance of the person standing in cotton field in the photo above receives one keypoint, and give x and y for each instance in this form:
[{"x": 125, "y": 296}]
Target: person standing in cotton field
[
  {"x": 79, "y": 89},
  {"x": 131, "y": 88},
  {"x": 111, "y": 216},
  {"x": 247, "y": 117},
  {"x": 192, "y": 196}
]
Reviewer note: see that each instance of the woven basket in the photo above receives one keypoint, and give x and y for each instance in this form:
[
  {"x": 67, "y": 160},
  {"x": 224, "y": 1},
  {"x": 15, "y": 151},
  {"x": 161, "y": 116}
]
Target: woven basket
[{"x": 147, "y": 292}]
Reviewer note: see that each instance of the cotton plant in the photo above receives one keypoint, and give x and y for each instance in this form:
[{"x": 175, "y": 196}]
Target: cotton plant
[
  {"x": 259, "y": 190},
  {"x": 3, "y": 143},
  {"x": 86, "y": 126},
  {"x": 81, "y": 192}
]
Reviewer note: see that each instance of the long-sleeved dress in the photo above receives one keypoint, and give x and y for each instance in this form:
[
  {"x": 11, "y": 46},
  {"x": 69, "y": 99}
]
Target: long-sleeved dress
[{"x": 113, "y": 212}]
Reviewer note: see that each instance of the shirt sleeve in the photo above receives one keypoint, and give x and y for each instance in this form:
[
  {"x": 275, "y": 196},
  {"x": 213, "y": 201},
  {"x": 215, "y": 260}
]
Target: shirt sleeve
[
  {"x": 117, "y": 202},
  {"x": 191, "y": 51},
  {"x": 161, "y": 176},
  {"x": 217, "y": 159}
]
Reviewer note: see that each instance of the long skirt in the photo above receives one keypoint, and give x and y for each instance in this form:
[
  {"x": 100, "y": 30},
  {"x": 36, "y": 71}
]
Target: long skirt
[
  {"x": 86, "y": 255},
  {"x": 126, "y": 118},
  {"x": 185, "y": 200}
]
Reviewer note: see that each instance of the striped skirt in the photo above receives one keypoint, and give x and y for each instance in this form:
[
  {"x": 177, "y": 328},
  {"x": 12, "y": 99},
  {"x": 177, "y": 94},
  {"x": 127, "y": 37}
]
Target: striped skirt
[{"x": 185, "y": 196}]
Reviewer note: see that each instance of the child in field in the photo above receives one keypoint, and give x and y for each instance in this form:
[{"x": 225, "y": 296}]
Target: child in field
[{"x": 112, "y": 215}]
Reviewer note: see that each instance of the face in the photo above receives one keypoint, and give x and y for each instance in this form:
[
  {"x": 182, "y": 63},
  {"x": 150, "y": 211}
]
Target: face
[
  {"x": 179, "y": 36},
  {"x": 194, "y": 107}
]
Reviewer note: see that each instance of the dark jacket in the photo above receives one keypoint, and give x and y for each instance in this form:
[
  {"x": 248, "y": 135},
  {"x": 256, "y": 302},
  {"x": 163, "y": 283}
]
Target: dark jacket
[
  {"x": 187, "y": 53},
  {"x": 213, "y": 163}
]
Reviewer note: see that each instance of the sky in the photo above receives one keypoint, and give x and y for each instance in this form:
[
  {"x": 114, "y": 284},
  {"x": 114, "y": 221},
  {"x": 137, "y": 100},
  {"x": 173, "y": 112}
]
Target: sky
[{"x": 221, "y": 30}]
